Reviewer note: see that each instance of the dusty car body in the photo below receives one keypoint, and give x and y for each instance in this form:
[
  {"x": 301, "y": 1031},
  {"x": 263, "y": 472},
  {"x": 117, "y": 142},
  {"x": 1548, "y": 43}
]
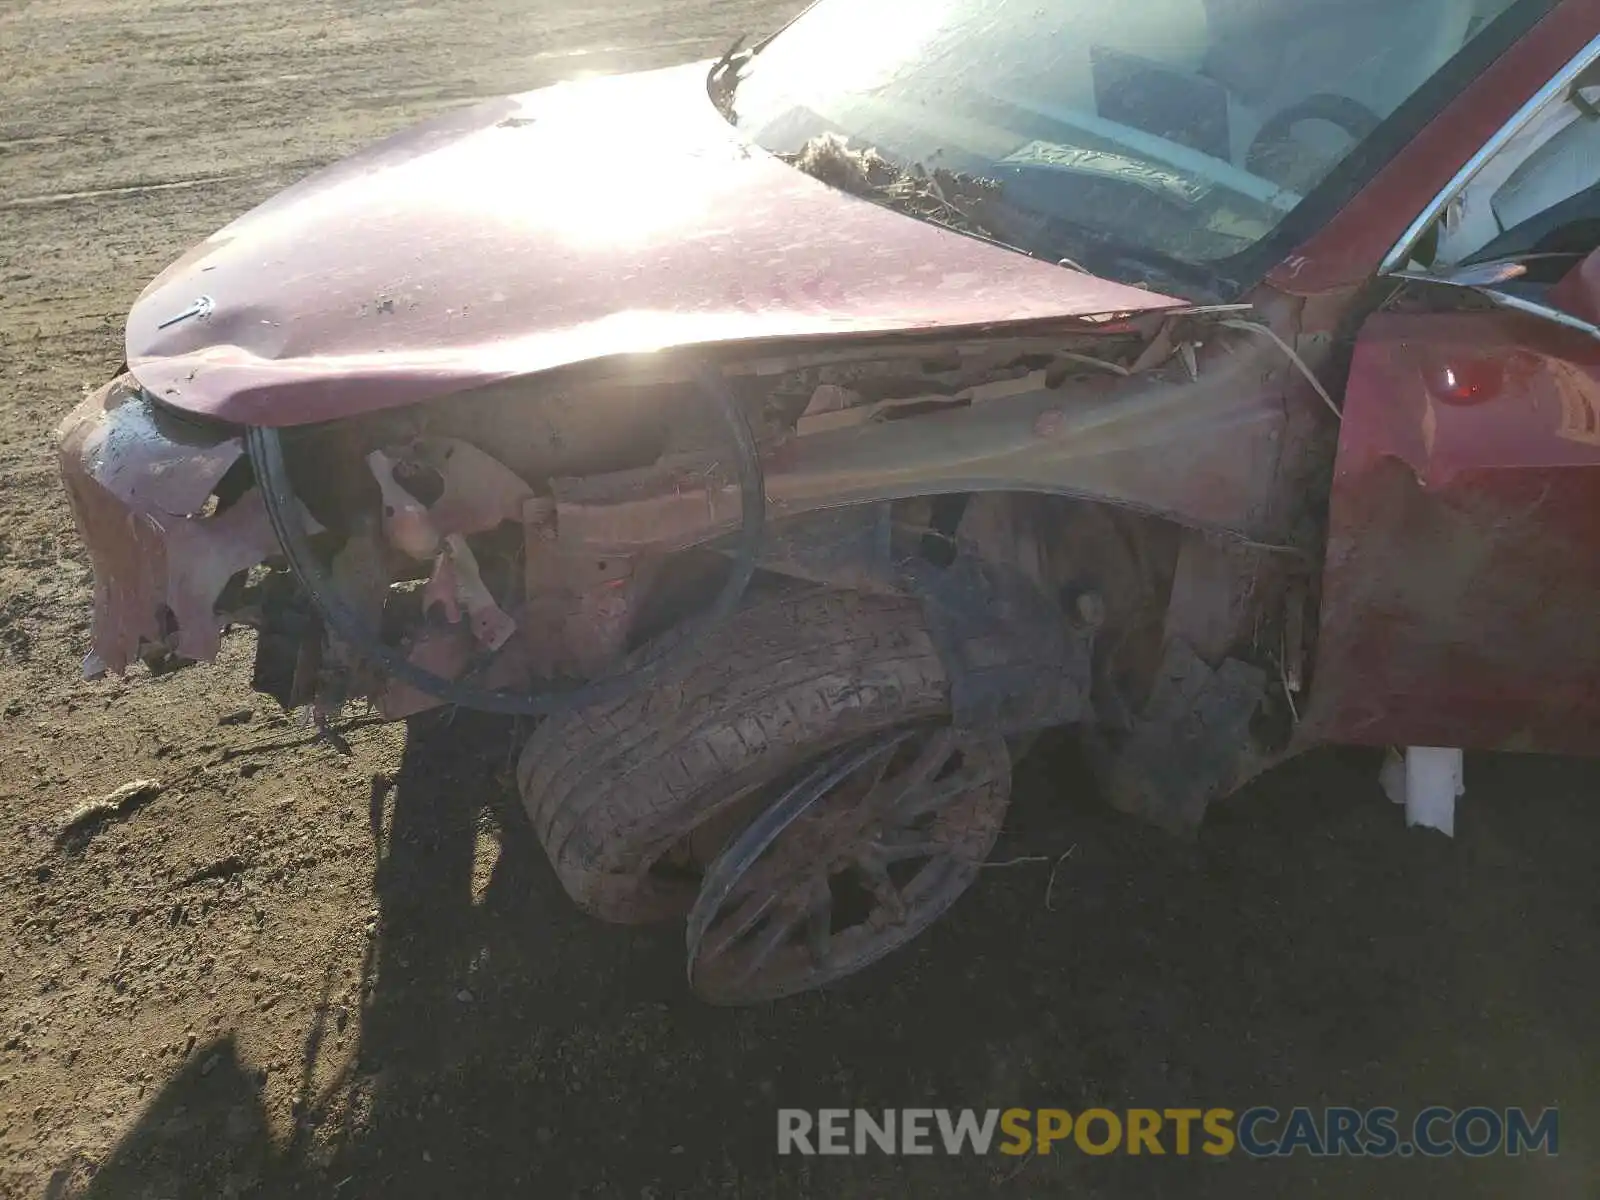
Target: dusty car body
[{"x": 794, "y": 482}]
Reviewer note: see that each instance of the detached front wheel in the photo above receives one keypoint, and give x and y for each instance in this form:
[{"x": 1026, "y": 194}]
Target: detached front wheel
[{"x": 796, "y": 786}]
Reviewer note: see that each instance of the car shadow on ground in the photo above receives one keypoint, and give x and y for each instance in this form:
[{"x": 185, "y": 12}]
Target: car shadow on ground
[{"x": 1305, "y": 950}]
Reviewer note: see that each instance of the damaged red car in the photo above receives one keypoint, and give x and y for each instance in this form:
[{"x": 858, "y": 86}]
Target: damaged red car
[{"x": 1214, "y": 378}]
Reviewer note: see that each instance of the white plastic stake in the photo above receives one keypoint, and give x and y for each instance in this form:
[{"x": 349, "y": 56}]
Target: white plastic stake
[{"x": 1434, "y": 778}]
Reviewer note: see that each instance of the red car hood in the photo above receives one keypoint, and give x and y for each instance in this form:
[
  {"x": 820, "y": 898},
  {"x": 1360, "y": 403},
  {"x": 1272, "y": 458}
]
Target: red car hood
[{"x": 591, "y": 219}]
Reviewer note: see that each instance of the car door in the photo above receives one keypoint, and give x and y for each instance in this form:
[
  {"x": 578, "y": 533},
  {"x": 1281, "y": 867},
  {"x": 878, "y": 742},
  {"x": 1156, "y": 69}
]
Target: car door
[{"x": 1461, "y": 587}]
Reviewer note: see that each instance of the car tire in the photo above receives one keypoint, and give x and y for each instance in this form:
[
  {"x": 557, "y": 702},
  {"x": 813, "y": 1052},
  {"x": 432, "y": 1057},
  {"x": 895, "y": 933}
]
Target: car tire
[{"x": 616, "y": 790}]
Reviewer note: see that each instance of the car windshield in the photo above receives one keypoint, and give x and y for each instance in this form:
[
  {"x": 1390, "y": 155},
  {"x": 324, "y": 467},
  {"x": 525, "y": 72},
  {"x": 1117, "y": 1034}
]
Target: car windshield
[{"x": 1137, "y": 140}]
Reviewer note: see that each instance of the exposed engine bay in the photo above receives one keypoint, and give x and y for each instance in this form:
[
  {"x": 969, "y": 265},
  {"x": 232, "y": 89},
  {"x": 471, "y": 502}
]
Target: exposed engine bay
[{"x": 523, "y": 547}]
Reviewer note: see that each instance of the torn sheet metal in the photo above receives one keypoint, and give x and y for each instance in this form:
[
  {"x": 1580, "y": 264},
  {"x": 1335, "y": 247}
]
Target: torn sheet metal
[
  {"x": 149, "y": 460},
  {"x": 202, "y": 554},
  {"x": 137, "y": 482}
]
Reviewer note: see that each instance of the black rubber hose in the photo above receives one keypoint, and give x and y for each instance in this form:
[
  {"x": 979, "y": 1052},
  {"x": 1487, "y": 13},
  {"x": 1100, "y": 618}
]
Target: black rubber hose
[{"x": 265, "y": 449}]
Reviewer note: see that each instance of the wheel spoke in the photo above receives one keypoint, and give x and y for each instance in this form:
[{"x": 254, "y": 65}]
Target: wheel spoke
[
  {"x": 875, "y": 875},
  {"x": 819, "y": 926},
  {"x": 917, "y": 801},
  {"x": 779, "y": 929},
  {"x": 907, "y": 844},
  {"x": 774, "y": 873},
  {"x": 904, "y": 817},
  {"x": 932, "y": 756},
  {"x": 856, "y": 792},
  {"x": 888, "y": 794},
  {"x": 738, "y": 923}
]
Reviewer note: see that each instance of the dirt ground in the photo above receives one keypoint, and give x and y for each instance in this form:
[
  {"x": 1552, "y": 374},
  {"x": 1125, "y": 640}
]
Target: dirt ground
[{"x": 301, "y": 970}]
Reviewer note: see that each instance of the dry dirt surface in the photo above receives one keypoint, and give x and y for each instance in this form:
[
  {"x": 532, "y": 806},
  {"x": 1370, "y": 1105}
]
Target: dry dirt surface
[{"x": 346, "y": 970}]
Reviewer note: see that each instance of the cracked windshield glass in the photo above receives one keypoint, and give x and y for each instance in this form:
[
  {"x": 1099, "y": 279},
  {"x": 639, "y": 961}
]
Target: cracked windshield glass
[{"x": 1136, "y": 141}]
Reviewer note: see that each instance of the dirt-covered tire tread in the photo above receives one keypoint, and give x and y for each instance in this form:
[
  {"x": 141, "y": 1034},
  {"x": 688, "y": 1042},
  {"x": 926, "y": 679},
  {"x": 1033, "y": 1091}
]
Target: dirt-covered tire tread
[{"x": 787, "y": 677}]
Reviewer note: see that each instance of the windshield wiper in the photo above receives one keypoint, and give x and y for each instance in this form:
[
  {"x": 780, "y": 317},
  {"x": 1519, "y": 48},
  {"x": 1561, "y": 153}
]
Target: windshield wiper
[
  {"x": 727, "y": 55},
  {"x": 723, "y": 78}
]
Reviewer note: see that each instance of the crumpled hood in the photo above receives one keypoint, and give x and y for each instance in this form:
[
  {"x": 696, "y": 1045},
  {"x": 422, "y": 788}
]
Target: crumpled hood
[{"x": 590, "y": 219}]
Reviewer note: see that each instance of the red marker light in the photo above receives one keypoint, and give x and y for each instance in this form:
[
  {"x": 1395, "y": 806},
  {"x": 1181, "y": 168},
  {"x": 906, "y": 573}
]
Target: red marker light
[{"x": 1468, "y": 381}]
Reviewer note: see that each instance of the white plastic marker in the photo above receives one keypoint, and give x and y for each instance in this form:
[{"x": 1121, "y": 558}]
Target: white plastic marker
[{"x": 1428, "y": 781}]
